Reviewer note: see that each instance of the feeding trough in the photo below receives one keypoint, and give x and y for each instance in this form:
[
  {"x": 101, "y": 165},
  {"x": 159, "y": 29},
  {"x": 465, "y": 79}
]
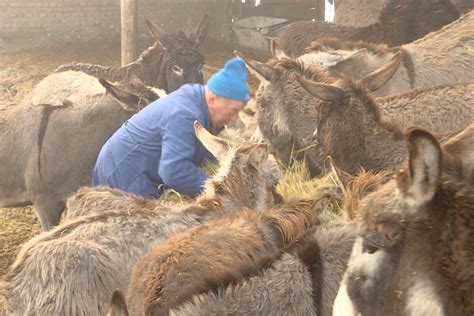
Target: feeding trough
[{"x": 256, "y": 31}]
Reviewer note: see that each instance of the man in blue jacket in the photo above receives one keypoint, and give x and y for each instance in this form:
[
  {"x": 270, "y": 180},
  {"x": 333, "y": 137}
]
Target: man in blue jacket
[{"x": 157, "y": 147}]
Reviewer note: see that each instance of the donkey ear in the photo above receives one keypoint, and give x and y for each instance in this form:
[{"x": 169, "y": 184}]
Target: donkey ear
[
  {"x": 118, "y": 306},
  {"x": 263, "y": 72},
  {"x": 129, "y": 102},
  {"x": 201, "y": 31},
  {"x": 419, "y": 184},
  {"x": 322, "y": 91},
  {"x": 258, "y": 154},
  {"x": 377, "y": 79},
  {"x": 215, "y": 145},
  {"x": 155, "y": 31},
  {"x": 276, "y": 50}
]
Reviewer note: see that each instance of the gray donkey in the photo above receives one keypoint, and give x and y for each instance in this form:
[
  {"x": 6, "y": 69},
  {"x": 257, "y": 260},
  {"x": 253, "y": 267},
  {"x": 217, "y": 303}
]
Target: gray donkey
[
  {"x": 49, "y": 149},
  {"x": 74, "y": 268},
  {"x": 441, "y": 57}
]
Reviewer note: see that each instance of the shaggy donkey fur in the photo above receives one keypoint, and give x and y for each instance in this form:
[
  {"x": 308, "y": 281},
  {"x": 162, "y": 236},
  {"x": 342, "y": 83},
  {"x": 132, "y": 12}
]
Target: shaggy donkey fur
[
  {"x": 414, "y": 251},
  {"x": 216, "y": 254},
  {"x": 74, "y": 268},
  {"x": 238, "y": 267}
]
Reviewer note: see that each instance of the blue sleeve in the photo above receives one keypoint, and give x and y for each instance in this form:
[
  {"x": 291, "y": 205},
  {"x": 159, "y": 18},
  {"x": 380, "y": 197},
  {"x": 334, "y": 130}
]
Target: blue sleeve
[{"x": 177, "y": 167}]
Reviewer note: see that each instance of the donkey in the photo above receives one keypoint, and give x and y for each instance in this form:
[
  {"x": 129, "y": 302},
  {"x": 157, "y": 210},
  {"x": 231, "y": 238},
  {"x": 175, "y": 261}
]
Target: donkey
[
  {"x": 220, "y": 251},
  {"x": 364, "y": 13},
  {"x": 277, "y": 89},
  {"x": 401, "y": 21},
  {"x": 49, "y": 149},
  {"x": 286, "y": 114},
  {"x": 238, "y": 266},
  {"x": 350, "y": 121},
  {"x": 413, "y": 254},
  {"x": 301, "y": 279},
  {"x": 74, "y": 268},
  {"x": 441, "y": 57},
  {"x": 172, "y": 61}
]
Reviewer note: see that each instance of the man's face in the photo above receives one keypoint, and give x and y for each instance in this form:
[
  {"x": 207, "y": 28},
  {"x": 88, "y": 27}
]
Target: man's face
[{"x": 224, "y": 111}]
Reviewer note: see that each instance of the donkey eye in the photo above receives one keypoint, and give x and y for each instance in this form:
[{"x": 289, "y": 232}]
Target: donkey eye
[
  {"x": 177, "y": 70},
  {"x": 369, "y": 247},
  {"x": 200, "y": 67}
]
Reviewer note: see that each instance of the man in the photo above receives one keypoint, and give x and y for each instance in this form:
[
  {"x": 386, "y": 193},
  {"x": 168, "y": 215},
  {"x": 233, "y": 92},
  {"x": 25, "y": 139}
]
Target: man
[{"x": 157, "y": 147}]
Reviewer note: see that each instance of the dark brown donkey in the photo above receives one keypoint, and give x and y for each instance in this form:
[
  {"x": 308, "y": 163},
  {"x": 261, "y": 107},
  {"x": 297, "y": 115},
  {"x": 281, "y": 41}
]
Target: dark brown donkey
[
  {"x": 401, "y": 21},
  {"x": 353, "y": 128},
  {"x": 172, "y": 61},
  {"x": 414, "y": 254}
]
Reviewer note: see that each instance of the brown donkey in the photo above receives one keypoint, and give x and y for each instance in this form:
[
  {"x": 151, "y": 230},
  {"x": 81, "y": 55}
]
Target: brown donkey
[
  {"x": 414, "y": 252},
  {"x": 216, "y": 254},
  {"x": 359, "y": 131}
]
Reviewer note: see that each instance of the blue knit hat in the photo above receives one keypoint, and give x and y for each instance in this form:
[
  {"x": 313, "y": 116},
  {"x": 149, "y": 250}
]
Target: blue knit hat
[{"x": 230, "y": 82}]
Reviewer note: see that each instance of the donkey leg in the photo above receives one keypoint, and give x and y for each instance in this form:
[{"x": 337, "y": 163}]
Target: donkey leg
[{"x": 48, "y": 209}]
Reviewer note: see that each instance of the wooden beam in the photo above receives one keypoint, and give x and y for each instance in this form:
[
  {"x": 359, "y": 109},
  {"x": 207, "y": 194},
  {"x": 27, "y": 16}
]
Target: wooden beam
[{"x": 128, "y": 18}]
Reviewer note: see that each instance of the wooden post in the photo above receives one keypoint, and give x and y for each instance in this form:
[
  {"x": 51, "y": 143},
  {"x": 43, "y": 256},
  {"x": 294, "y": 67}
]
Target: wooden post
[
  {"x": 320, "y": 7},
  {"x": 128, "y": 18}
]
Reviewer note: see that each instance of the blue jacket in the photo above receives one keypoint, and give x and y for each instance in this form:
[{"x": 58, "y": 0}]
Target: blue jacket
[{"x": 158, "y": 146}]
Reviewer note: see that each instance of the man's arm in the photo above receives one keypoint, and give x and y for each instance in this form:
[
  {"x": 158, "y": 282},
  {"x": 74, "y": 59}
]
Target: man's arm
[{"x": 177, "y": 166}]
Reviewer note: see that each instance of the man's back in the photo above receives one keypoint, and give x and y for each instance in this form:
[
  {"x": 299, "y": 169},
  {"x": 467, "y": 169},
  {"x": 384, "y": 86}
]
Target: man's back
[{"x": 132, "y": 158}]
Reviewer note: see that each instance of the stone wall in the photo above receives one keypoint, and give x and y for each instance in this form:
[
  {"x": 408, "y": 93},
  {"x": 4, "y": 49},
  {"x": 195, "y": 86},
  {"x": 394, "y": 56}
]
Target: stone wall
[{"x": 72, "y": 19}]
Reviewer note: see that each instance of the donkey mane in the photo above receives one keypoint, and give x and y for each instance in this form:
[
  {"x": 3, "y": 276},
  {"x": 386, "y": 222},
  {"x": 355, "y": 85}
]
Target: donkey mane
[
  {"x": 151, "y": 52},
  {"x": 376, "y": 49},
  {"x": 357, "y": 87},
  {"x": 341, "y": 44},
  {"x": 360, "y": 185},
  {"x": 313, "y": 72}
]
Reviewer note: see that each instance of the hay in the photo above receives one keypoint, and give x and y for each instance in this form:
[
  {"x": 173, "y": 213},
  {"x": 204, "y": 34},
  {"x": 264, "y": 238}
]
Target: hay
[
  {"x": 297, "y": 184},
  {"x": 17, "y": 226}
]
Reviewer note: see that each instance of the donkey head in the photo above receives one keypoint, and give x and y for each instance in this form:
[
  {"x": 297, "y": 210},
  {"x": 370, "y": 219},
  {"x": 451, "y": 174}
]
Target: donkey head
[
  {"x": 414, "y": 250},
  {"x": 285, "y": 110},
  {"x": 181, "y": 61},
  {"x": 245, "y": 175},
  {"x": 346, "y": 107}
]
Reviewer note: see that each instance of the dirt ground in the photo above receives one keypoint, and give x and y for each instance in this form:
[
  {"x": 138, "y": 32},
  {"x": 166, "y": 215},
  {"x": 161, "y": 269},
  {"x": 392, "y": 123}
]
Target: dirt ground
[{"x": 24, "y": 64}]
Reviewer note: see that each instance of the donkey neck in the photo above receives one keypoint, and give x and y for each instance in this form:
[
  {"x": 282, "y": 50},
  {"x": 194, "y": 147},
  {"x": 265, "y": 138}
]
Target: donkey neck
[{"x": 385, "y": 148}]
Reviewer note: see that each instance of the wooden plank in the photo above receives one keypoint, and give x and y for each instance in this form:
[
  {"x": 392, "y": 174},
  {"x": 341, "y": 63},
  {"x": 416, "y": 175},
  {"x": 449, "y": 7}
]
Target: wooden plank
[{"x": 128, "y": 18}]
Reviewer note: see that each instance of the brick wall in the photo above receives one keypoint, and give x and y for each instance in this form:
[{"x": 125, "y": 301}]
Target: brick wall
[{"x": 67, "y": 19}]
